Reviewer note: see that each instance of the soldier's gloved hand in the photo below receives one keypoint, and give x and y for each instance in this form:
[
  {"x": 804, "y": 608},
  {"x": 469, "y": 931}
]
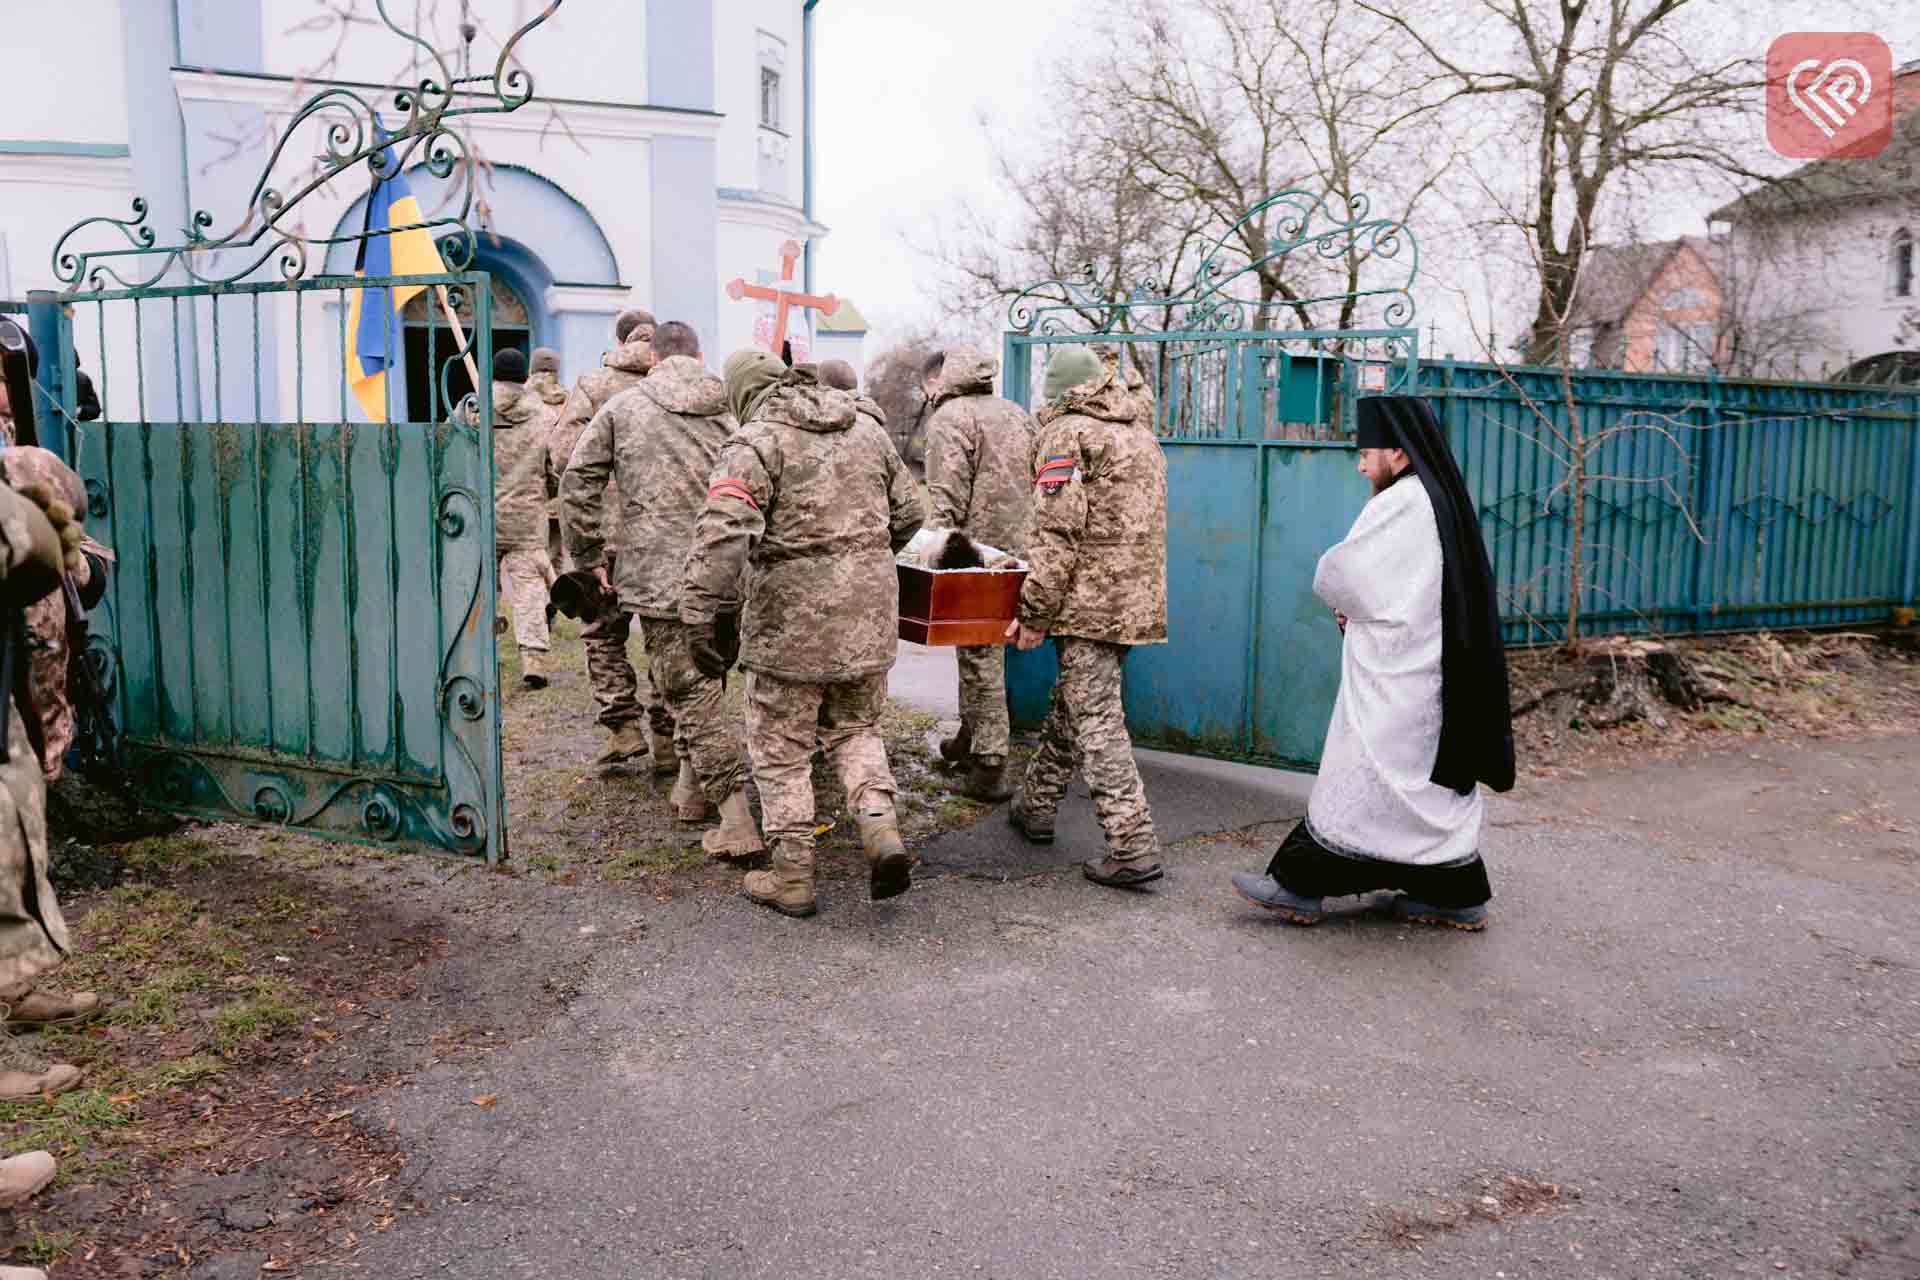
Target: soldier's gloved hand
[
  {"x": 65, "y": 521},
  {"x": 706, "y": 651},
  {"x": 726, "y": 636}
]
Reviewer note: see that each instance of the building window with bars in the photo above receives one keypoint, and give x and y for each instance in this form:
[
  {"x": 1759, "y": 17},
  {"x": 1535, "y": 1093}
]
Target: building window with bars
[
  {"x": 769, "y": 98},
  {"x": 1902, "y": 263}
]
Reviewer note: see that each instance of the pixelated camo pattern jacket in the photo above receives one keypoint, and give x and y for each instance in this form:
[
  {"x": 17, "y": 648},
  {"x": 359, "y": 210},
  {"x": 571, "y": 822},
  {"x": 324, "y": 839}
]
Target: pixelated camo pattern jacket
[
  {"x": 1097, "y": 553},
  {"x": 805, "y": 509}
]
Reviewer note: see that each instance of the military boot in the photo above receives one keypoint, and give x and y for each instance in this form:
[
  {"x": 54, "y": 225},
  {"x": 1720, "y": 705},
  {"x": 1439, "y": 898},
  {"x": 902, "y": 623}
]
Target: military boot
[
  {"x": 787, "y": 883},
  {"x": 1035, "y": 829},
  {"x": 987, "y": 780},
  {"x": 25, "y": 1074},
  {"x": 736, "y": 836},
  {"x": 23, "y": 1175},
  {"x": 625, "y": 741},
  {"x": 688, "y": 800},
  {"x": 533, "y": 669},
  {"x": 889, "y": 865},
  {"x": 42, "y": 1008},
  {"x": 666, "y": 759},
  {"x": 959, "y": 747}
]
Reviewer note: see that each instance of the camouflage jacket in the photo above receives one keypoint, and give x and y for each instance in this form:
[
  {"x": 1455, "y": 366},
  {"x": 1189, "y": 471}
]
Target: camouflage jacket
[
  {"x": 522, "y": 432},
  {"x": 658, "y": 441},
  {"x": 979, "y": 455},
  {"x": 554, "y": 396},
  {"x": 49, "y": 650},
  {"x": 808, "y": 503},
  {"x": 33, "y": 933},
  {"x": 622, "y": 367},
  {"x": 1097, "y": 554}
]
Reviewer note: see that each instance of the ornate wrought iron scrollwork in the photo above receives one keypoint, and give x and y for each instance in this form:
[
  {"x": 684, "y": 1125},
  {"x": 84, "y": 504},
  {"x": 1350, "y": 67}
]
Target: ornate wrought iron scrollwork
[
  {"x": 271, "y": 803},
  {"x": 1284, "y": 223},
  {"x": 351, "y": 129}
]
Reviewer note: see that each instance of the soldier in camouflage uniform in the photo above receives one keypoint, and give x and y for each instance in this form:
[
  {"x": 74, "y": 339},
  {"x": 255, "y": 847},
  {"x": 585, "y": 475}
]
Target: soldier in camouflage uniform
[
  {"x": 980, "y": 478},
  {"x": 839, "y": 375},
  {"x": 543, "y": 379},
  {"x": 39, "y": 537},
  {"x": 658, "y": 443},
  {"x": 522, "y": 432},
  {"x": 803, "y": 515},
  {"x": 48, "y": 648},
  {"x": 1097, "y": 583},
  {"x": 622, "y": 694}
]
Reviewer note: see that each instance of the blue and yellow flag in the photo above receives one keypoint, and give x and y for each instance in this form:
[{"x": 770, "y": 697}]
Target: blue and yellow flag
[{"x": 373, "y": 314}]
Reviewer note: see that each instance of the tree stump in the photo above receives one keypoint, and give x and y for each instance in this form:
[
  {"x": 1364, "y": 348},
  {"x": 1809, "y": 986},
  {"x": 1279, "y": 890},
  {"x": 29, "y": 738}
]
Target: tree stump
[{"x": 1624, "y": 681}]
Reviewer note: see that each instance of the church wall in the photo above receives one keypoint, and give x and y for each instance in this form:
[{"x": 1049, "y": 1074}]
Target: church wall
[{"x": 593, "y": 51}]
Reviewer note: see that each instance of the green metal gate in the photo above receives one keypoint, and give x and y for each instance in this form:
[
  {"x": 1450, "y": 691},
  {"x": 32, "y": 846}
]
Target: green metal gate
[
  {"x": 1255, "y": 418},
  {"x": 299, "y": 628}
]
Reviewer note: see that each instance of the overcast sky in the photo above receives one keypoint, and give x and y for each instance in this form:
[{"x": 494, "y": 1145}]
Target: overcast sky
[
  {"x": 903, "y": 83},
  {"x": 901, "y": 87}
]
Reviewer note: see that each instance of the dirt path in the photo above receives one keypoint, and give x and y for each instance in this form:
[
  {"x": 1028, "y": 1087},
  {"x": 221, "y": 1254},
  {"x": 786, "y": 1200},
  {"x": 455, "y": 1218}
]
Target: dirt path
[{"x": 322, "y": 1057}]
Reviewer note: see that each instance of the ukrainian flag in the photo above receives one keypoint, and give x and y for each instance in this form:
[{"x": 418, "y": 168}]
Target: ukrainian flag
[{"x": 373, "y": 314}]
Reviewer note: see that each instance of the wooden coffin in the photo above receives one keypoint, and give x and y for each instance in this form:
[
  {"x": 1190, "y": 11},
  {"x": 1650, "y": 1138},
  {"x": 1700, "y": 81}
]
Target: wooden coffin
[{"x": 957, "y": 606}]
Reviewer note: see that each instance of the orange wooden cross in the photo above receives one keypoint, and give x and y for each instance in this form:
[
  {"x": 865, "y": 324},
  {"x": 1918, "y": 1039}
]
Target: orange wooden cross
[{"x": 782, "y": 298}]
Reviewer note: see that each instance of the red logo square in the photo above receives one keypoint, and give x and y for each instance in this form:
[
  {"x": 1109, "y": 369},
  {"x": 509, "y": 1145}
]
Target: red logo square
[{"x": 1829, "y": 93}]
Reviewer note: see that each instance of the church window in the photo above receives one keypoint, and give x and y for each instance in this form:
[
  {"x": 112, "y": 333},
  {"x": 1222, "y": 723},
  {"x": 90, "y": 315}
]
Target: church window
[
  {"x": 769, "y": 98},
  {"x": 1902, "y": 263}
]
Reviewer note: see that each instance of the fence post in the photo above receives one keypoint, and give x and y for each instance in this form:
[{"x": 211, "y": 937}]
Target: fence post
[
  {"x": 53, "y": 388},
  {"x": 1704, "y": 460},
  {"x": 1016, "y": 372},
  {"x": 1911, "y": 559}
]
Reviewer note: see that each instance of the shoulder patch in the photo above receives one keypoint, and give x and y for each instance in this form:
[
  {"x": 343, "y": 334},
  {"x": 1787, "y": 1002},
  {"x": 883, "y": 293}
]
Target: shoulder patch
[{"x": 1054, "y": 474}]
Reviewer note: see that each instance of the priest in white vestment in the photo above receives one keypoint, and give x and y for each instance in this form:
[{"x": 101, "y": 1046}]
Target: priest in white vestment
[{"x": 1422, "y": 717}]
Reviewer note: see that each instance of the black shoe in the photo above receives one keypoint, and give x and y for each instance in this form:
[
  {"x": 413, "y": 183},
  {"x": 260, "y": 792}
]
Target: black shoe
[
  {"x": 1116, "y": 874},
  {"x": 1033, "y": 831},
  {"x": 986, "y": 783}
]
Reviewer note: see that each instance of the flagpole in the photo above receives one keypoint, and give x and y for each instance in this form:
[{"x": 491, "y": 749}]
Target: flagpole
[{"x": 459, "y": 334}]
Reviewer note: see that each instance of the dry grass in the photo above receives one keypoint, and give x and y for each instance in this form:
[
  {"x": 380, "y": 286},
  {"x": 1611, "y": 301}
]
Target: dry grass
[{"x": 1788, "y": 686}]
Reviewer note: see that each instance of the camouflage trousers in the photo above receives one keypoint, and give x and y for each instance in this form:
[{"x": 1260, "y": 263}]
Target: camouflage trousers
[
  {"x": 33, "y": 933},
  {"x": 621, "y": 693},
  {"x": 703, "y": 732},
  {"x": 1086, "y": 727},
  {"x": 525, "y": 574},
  {"x": 785, "y": 719},
  {"x": 983, "y": 697}
]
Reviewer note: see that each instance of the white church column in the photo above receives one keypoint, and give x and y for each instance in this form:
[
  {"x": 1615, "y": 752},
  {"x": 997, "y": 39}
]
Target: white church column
[
  {"x": 680, "y": 75},
  {"x": 155, "y": 141}
]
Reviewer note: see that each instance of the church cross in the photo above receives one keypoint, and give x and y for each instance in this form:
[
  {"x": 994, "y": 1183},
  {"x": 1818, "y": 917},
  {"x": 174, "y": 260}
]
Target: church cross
[{"x": 782, "y": 298}]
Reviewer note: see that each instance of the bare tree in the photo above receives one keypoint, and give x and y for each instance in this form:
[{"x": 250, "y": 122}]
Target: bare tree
[
  {"x": 1182, "y": 121},
  {"x": 1613, "y": 98}
]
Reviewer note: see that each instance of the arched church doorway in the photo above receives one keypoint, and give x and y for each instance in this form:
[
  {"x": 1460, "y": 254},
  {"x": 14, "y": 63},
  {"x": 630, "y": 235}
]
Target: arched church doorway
[{"x": 431, "y": 346}]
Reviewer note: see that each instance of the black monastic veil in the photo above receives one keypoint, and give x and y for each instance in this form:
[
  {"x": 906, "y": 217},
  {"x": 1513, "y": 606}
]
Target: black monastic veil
[{"x": 1476, "y": 729}]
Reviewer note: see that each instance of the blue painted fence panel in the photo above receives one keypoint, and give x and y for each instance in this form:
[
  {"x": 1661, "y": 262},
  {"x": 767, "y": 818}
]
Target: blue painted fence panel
[{"x": 1708, "y": 505}]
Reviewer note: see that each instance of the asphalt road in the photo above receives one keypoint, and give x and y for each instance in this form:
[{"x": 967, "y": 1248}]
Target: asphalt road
[{"x": 1695, "y": 1016}]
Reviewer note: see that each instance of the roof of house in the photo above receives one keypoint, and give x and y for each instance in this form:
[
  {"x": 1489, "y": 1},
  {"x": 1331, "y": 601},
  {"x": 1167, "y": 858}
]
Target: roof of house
[
  {"x": 843, "y": 319},
  {"x": 1818, "y": 183},
  {"x": 1616, "y": 276}
]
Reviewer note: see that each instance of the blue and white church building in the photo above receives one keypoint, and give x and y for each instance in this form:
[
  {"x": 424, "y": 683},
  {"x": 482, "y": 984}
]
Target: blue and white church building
[{"x": 668, "y": 150}]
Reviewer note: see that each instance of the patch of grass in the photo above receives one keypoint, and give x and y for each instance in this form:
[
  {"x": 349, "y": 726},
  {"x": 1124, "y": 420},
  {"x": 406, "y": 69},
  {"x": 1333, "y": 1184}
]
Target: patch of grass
[
  {"x": 664, "y": 859},
  {"x": 242, "y": 1019},
  {"x": 44, "y": 1246},
  {"x": 66, "y": 1126},
  {"x": 186, "y": 1070},
  {"x": 177, "y": 852}
]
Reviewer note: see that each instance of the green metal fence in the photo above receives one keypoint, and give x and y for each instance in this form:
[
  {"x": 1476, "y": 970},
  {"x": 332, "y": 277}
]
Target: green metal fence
[
  {"x": 1702, "y": 503},
  {"x": 1706, "y": 503},
  {"x": 299, "y": 628}
]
